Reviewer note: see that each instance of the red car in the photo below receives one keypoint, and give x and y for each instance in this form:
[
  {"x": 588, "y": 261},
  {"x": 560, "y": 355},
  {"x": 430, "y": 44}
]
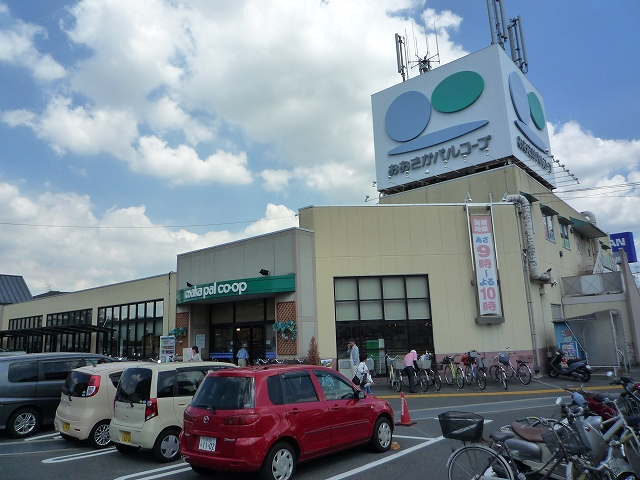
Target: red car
[{"x": 271, "y": 417}]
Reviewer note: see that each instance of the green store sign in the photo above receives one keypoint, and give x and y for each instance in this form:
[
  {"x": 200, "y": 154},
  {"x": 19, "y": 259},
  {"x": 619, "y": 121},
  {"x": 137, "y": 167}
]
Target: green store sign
[{"x": 234, "y": 288}]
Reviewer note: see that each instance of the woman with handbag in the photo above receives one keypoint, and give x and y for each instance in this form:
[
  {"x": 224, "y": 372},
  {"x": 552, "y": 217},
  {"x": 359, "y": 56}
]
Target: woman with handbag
[{"x": 364, "y": 375}]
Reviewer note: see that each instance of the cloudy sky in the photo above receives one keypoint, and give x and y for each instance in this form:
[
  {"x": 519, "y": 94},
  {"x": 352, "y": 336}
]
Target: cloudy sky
[{"x": 131, "y": 131}]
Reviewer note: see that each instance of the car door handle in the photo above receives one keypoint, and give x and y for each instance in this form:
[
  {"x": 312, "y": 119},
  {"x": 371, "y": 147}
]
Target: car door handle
[
  {"x": 182, "y": 404},
  {"x": 294, "y": 412},
  {"x": 335, "y": 407}
]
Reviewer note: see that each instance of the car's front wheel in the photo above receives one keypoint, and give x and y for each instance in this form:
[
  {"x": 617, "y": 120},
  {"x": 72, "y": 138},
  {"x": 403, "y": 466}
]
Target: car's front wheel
[
  {"x": 382, "y": 433},
  {"x": 167, "y": 446},
  {"x": 280, "y": 462}
]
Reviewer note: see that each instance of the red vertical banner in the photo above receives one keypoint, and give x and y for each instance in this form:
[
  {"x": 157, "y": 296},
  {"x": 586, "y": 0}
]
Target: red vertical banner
[{"x": 484, "y": 256}]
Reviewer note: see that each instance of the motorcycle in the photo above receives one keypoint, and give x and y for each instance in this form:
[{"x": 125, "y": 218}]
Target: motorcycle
[{"x": 559, "y": 365}]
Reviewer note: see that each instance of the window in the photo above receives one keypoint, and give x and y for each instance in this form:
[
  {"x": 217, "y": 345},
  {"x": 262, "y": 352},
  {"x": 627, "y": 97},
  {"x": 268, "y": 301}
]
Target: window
[
  {"x": 549, "y": 234},
  {"x": 165, "y": 384},
  {"x": 189, "y": 381},
  {"x": 334, "y": 387},
  {"x": 20, "y": 372},
  {"x": 274, "y": 389},
  {"x": 298, "y": 388},
  {"x": 564, "y": 234},
  {"x": 226, "y": 393},
  {"x": 59, "y": 370}
]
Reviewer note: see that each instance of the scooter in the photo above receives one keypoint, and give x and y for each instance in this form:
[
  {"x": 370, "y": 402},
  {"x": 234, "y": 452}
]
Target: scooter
[{"x": 579, "y": 369}]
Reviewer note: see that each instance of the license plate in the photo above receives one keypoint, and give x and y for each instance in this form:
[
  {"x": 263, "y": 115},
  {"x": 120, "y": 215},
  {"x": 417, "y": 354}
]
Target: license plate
[
  {"x": 208, "y": 444},
  {"x": 126, "y": 437},
  {"x": 66, "y": 427}
]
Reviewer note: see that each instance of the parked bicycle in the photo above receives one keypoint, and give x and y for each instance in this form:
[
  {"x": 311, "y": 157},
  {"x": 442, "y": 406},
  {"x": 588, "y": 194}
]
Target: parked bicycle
[
  {"x": 426, "y": 373},
  {"x": 452, "y": 371},
  {"x": 522, "y": 370},
  {"x": 393, "y": 380},
  {"x": 474, "y": 370}
]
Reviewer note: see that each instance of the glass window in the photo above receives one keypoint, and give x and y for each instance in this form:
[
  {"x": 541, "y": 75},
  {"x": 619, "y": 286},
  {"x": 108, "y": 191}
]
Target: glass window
[
  {"x": 159, "y": 308},
  {"x": 369, "y": 288},
  {"x": 335, "y": 387},
  {"x": 58, "y": 370},
  {"x": 393, "y": 287},
  {"x": 346, "y": 311},
  {"x": 135, "y": 385},
  {"x": 418, "y": 309},
  {"x": 371, "y": 310},
  {"x": 395, "y": 310},
  {"x": 116, "y": 314},
  {"x": 125, "y": 312},
  {"x": 417, "y": 287},
  {"x": 76, "y": 384},
  {"x": 549, "y": 234},
  {"x": 115, "y": 378},
  {"x": 226, "y": 393},
  {"x": 274, "y": 389},
  {"x": 140, "y": 310},
  {"x": 346, "y": 289},
  {"x": 298, "y": 388},
  {"x": 222, "y": 312},
  {"x": 149, "y": 310},
  {"x": 250, "y": 311},
  {"x": 20, "y": 372},
  {"x": 165, "y": 384},
  {"x": 271, "y": 309},
  {"x": 564, "y": 234},
  {"x": 189, "y": 381}
]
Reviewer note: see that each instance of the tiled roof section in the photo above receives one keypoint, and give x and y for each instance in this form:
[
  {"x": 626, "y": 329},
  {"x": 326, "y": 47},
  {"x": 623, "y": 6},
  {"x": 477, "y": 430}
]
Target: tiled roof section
[{"x": 13, "y": 289}]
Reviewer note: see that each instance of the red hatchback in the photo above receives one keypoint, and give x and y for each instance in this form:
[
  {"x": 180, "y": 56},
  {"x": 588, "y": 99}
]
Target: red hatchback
[{"x": 269, "y": 418}]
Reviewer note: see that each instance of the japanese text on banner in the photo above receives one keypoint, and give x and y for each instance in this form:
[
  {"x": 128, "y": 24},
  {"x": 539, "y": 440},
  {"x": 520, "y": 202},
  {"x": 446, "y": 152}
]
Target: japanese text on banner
[{"x": 485, "y": 265}]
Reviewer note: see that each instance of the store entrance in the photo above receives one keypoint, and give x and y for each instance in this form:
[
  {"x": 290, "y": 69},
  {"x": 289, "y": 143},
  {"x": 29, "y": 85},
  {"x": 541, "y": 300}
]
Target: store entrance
[
  {"x": 228, "y": 339},
  {"x": 253, "y": 337}
]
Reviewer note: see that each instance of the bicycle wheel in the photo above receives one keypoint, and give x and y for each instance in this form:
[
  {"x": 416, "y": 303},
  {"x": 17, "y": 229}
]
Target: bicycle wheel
[
  {"x": 404, "y": 376},
  {"x": 448, "y": 374},
  {"x": 575, "y": 471},
  {"x": 524, "y": 373},
  {"x": 390, "y": 383},
  {"x": 398, "y": 381},
  {"x": 477, "y": 461},
  {"x": 459, "y": 378},
  {"x": 437, "y": 381},
  {"x": 509, "y": 371},
  {"x": 493, "y": 372},
  {"x": 423, "y": 380},
  {"x": 502, "y": 376},
  {"x": 468, "y": 374},
  {"x": 482, "y": 380}
]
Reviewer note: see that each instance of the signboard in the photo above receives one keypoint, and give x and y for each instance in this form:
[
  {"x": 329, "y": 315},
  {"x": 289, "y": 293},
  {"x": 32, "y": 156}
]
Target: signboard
[
  {"x": 466, "y": 113},
  {"x": 200, "y": 340},
  {"x": 485, "y": 265},
  {"x": 233, "y": 288},
  {"x": 623, "y": 241},
  {"x": 167, "y": 349}
]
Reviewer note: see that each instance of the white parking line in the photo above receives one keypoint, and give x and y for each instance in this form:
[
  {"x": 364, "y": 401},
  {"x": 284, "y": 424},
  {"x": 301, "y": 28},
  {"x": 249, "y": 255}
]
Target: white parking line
[
  {"x": 78, "y": 456},
  {"x": 166, "y": 471},
  {"x": 55, "y": 436},
  {"x": 390, "y": 458}
]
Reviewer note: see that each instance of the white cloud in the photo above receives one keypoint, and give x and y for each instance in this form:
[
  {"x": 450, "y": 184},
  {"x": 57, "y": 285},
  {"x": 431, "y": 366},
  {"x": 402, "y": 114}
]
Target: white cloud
[
  {"x": 604, "y": 168},
  {"x": 17, "y": 48},
  {"x": 183, "y": 166},
  {"x": 275, "y": 180},
  {"x": 118, "y": 245}
]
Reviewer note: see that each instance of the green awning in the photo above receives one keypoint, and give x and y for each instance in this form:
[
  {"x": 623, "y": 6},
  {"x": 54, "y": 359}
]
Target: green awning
[
  {"x": 529, "y": 197},
  {"x": 563, "y": 220},
  {"x": 586, "y": 229},
  {"x": 547, "y": 210}
]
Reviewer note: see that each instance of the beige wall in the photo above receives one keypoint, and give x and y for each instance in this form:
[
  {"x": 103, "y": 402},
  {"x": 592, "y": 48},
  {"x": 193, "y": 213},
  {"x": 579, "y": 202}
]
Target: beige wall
[
  {"x": 152, "y": 288},
  {"x": 420, "y": 239}
]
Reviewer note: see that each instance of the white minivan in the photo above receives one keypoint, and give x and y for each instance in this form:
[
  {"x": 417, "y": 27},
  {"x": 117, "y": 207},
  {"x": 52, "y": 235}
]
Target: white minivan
[
  {"x": 150, "y": 403},
  {"x": 86, "y": 402}
]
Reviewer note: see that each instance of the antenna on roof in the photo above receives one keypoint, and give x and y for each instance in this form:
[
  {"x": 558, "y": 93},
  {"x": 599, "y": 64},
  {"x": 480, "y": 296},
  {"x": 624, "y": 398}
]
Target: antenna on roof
[
  {"x": 401, "y": 56},
  {"x": 501, "y": 32},
  {"x": 425, "y": 63}
]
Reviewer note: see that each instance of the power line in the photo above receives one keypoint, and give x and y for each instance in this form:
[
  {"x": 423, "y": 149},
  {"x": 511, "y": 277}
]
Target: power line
[{"x": 116, "y": 227}]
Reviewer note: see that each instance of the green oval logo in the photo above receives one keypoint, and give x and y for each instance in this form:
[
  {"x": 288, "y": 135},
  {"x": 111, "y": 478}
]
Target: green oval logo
[
  {"x": 537, "y": 115},
  {"x": 457, "y": 92}
]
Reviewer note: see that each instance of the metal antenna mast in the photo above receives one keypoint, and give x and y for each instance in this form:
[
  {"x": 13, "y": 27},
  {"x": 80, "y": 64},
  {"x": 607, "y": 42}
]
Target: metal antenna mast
[
  {"x": 425, "y": 63},
  {"x": 401, "y": 56},
  {"x": 501, "y": 31}
]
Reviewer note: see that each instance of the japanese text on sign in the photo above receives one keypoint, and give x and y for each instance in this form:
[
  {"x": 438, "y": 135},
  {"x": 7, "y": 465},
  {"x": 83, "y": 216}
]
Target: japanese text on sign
[{"x": 485, "y": 265}]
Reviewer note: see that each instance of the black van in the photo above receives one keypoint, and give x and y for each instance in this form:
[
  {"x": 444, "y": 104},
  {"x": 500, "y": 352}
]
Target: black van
[{"x": 30, "y": 388}]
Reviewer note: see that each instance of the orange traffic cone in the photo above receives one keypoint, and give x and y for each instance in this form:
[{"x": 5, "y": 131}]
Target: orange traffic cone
[{"x": 405, "y": 418}]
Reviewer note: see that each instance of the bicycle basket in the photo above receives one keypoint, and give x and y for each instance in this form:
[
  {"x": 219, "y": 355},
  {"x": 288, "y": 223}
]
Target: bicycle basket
[
  {"x": 630, "y": 409},
  {"x": 398, "y": 364},
  {"x": 473, "y": 354},
  {"x": 503, "y": 358},
  {"x": 480, "y": 363},
  {"x": 424, "y": 363},
  {"x": 567, "y": 435},
  {"x": 463, "y": 426}
]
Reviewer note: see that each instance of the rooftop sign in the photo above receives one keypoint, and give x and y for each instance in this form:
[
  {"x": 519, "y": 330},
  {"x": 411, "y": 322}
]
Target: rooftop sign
[{"x": 466, "y": 113}]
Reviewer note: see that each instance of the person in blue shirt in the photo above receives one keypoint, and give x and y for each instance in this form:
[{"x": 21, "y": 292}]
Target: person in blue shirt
[{"x": 243, "y": 356}]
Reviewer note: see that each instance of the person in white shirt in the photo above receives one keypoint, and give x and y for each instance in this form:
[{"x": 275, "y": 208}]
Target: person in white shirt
[
  {"x": 364, "y": 374},
  {"x": 196, "y": 354},
  {"x": 354, "y": 355}
]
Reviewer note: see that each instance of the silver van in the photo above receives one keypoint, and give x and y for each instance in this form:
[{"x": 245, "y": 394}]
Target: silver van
[{"x": 30, "y": 388}]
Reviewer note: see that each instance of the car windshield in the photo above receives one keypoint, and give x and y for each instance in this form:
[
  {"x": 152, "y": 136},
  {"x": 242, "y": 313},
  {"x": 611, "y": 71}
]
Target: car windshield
[
  {"x": 225, "y": 393},
  {"x": 76, "y": 384},
  {"x": 135, "y": 385}
]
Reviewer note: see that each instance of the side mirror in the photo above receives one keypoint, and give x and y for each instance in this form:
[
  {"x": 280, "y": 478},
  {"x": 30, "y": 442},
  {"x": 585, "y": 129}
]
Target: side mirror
[{"x": 361, "y": 394}]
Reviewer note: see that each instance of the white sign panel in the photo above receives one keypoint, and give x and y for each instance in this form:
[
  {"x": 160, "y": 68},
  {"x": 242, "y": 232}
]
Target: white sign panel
[
  {"x": 485, "y": 265},
  {"x": 466, "y": 113}
]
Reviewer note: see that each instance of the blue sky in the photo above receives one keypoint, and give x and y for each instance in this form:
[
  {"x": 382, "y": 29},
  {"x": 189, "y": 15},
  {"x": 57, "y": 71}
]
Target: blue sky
[{"x": 134, "y": 131}]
